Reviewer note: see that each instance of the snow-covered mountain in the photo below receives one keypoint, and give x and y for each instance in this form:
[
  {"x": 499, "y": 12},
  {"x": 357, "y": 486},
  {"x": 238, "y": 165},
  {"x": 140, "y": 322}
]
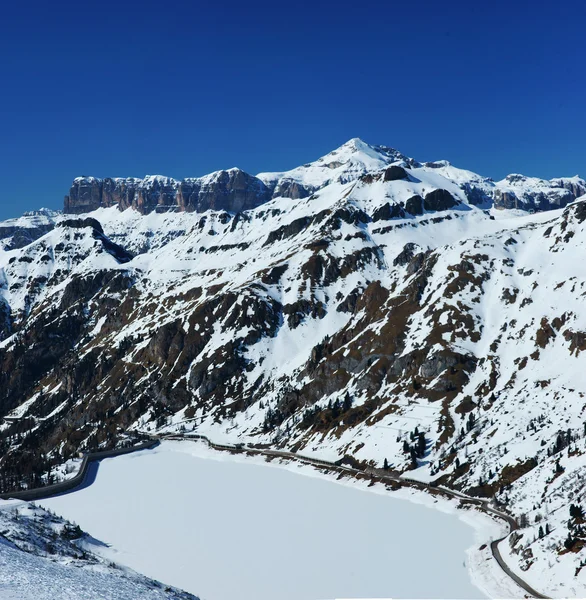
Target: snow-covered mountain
[
  {"x": 361, "y": 307},
  {"x": 234, "y": 190},
  {"x": 16, "y": 233}
]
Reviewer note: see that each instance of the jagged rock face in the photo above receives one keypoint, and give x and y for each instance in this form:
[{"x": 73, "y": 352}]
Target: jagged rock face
[
  {"x": 232, "y": 190},
  {"x": 576, "y": 186},
  {"x": 525, "y": 193},
  {"x": 388, "y": 212},
  {"x": 120, "y": 192},
  {"x": 476, "y": 195},
  {"x": 84, "y": 196},
  {"x": 287, "y": 188}
]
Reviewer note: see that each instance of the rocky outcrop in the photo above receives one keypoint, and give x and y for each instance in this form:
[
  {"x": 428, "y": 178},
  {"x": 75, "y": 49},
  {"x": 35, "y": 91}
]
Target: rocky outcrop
[
  {"x": 526, "y": 193},
  {"x": 84, "y": 196},
  {"x": 387, "y": 212},
  {"x": 414, "y": 205},
  {"x": 576, "y": 186},
  {"x": 439, "y": 200},
  {"x": 120, "y": 192},
  {"x": 476, "y": 195},
  {"x": 406, "y": 255},
  {"x": 19, "y": 237},
  {"x": 288, "y": 188},
  {"x": 395, "y": 173},
  {"x": 232, "y": 191}
]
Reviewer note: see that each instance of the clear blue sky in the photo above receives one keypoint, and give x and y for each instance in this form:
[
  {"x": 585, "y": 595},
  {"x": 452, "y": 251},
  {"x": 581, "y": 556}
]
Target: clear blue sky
[{"x": 184, "y": 88}]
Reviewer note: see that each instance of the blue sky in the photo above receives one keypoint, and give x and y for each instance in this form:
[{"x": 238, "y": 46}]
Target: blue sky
[{"x": 185, "y": 88}]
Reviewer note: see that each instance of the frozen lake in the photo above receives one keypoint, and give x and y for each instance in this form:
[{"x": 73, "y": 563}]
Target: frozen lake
[{"x": 230, "y": 528}]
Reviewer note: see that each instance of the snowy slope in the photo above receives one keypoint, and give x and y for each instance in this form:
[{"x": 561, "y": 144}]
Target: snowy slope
[
  {"x": 43, "y": 557},
  {"x": 373, "y": 307}
]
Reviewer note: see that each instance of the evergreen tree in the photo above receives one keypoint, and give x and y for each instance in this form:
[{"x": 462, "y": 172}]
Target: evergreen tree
[
  {"x": 336, "y": 409},
  {"x": 576, "y": 512},
  {"x": 347, "y": 402},
  {"x": 421, "y": 443},
  {"x": 413, "y": 457},
  {"x": 386, "y": 465}
]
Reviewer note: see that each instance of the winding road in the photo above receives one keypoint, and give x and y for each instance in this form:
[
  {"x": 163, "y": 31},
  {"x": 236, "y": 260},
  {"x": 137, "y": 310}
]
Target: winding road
[{"x": 88, "y": 470}]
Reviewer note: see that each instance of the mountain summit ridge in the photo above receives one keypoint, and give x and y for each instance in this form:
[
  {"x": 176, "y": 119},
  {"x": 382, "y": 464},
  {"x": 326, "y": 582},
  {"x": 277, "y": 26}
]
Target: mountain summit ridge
[{"x": 235, "y": 190}]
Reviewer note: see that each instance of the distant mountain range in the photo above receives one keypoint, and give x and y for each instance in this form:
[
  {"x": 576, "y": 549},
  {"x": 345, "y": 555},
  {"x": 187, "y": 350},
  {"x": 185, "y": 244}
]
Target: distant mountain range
[{"x": 234, "y": 190}]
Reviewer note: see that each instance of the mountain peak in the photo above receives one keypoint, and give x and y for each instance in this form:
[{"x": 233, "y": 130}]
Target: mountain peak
[{"x": 356, "y": 144}]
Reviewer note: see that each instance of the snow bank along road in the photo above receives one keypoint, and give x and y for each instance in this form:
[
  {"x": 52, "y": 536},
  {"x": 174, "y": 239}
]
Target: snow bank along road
[{"x": 81, "y": 480}]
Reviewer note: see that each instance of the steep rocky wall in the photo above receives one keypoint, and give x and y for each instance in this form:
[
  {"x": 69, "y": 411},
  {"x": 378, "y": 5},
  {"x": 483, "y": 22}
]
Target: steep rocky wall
[{"x": 232, "y": 190}]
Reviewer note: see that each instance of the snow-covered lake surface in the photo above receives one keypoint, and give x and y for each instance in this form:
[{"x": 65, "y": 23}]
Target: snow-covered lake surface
[{"x": 232, "y": 528}]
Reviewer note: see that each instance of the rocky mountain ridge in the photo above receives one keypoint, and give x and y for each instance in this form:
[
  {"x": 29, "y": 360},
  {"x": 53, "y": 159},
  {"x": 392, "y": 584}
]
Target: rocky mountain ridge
[
  {"x": 235, "y": 191},
  {"x": 390, "y": 311}
]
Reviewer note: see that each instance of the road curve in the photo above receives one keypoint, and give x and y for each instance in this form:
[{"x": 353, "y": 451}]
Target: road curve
[{"x": 83, "y": 479}]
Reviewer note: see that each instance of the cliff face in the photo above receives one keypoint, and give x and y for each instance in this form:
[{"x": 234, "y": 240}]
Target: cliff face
[
  {"x": 232, "y": 191},
  {"x": 530, "y": 193}
]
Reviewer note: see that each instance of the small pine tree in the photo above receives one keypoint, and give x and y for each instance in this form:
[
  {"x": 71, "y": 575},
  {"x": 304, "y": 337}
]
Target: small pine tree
[
  {"x": 576, "y": 512},
  {"x": 347, "y": 402},
  {"x": 336, "y": 409},
  {"x": 413, "y": 457},
  {"x": 541, "y": 534},
  {"x": 386, "y": 465},
  {"x": 421, "y": 444}
]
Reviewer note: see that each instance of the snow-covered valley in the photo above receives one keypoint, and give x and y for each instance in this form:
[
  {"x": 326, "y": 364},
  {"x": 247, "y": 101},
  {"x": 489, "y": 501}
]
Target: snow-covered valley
[{"x": 225, "y": 528}]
